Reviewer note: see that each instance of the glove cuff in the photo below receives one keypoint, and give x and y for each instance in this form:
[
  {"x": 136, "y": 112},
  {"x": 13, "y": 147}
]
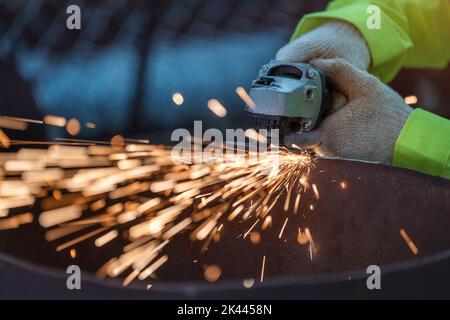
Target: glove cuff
[{"x": 395, "y": 120}]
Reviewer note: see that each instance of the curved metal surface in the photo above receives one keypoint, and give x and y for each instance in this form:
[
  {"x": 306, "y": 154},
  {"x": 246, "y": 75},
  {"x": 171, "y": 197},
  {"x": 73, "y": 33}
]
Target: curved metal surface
[{"x": 352, "y": 228}]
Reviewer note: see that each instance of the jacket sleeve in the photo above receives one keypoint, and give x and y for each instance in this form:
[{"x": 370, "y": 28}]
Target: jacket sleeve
[
  {"x": 414, "y": 34},
  {"x": 411, "y": 33},
  {"x": 424, "y": 144}
]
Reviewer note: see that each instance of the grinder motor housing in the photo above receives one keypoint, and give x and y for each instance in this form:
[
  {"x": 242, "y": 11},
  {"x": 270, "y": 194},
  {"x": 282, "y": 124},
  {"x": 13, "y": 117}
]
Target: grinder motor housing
[{"x": 291, "y": 97}]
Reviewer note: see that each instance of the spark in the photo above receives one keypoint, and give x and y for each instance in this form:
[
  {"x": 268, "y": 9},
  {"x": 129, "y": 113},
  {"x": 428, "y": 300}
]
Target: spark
[
  {"x": 117, "y": 142},
  {"x": 409, "y": 242},
  {"x": 148, "y": 205},
  {"x": 142, "y": 141},
  {"x": 97, "y": 205},
  {"x": 16, "y": 221},
  {"x": 57, "y": 194},
  {"x": 203, "y": 195},
  {"x": 107, "y": 237},
  {"x": 297, "y": 203},
  {"x": 152, "y": 268},
  {"x": 62, "y": 231},
  {"x": 75, "y": 241},
  {"x": 73, "y": 127},
  {"x": 316, "y": 192},
  {"x": 411, "y": 99},
  {"x": 177, "y": 228},
  {"x": 302, "y": 238},
  {"x": 90, "y": 125},
  {"x": 267, "y": 222},
  {"x": 212, "y": 273},
  {"x": 205, "y": 229},
  {"x": 14, "y": 189},
  {"x": 343, "y": 185},
  {"x": 248, "y": 283},
  {"x": 235, "y": 213},
  {"x": 178, "y": 98},
  {"x": 13, "y": 124},
  {"x": 255, "y": 237},
  {"x": 23, "y": 165},
  {"x": 160, "y": 186},
  {"x": 4, "y": 140},
  {"x": 263, "y": 267},
  {"x": 73, "y": 253},
  {"x": 251, "y": 228},
  {"x": 55, "y": 121},
  {"x": 242, "y": 93},
  {"x": 217, "y": 108},
  {"x": 304, "y": 182},
  {"x": 23, "y": 120},
  {"x": 282, "y": 228},
  {"x": 53, "y": 217},
  {"x": 311, "y": 241},
  {"x": 288, "y": 197},
  {"x": 101, "y": 191},
  {"x": 128, "y": 279},
  {"x": 16, "y": 202}
]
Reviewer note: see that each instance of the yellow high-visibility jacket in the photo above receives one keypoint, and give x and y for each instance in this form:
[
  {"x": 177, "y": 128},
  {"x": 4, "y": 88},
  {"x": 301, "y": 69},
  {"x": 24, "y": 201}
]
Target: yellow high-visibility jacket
[{"x": 412, "y": 34}]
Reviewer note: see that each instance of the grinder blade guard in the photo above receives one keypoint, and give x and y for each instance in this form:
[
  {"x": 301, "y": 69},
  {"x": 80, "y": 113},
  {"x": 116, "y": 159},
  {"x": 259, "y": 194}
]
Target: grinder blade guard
[{"x": 290, "y": 97}]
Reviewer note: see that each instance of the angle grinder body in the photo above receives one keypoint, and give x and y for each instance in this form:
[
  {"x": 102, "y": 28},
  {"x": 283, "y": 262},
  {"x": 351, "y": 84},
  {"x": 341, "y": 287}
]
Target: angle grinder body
[{"x": 290, "y": 97}]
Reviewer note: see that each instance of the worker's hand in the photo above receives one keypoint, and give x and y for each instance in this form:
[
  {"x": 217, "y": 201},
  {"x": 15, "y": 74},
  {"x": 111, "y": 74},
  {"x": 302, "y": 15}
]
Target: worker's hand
[
  {"x": 366, "y": 126},
  {"x": 332, "y": 40}
]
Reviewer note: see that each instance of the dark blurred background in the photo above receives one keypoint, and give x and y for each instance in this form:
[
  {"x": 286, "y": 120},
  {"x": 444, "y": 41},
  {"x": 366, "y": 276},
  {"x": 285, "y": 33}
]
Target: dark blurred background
[{"x": 130, "y": 56}]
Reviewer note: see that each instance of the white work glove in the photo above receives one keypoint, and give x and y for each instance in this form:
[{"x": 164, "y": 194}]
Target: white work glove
[
  {"x": 332, "y": 40},
  {"x": 364, "y": 127}
]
